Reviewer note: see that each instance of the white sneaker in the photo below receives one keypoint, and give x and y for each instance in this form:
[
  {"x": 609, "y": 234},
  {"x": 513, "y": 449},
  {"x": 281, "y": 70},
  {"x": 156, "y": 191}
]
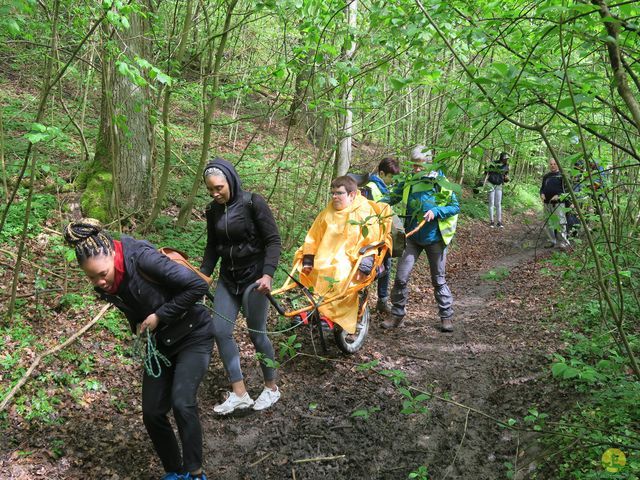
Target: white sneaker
[
  {"x": 233, "y": 402},
  {"x": 267, "y": 398}
]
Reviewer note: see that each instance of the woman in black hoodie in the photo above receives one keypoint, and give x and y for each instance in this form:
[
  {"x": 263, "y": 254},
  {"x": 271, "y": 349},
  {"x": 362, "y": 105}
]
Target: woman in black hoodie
[
  {"x": 242, "y": 233},
  {"x": 159, "y": 295}
]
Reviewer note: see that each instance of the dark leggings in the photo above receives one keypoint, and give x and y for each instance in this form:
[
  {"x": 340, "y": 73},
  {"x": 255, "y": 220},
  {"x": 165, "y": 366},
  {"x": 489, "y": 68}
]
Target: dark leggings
[
  {"x": 176, "y": 389},
  {"x": 226, "y": 307}
]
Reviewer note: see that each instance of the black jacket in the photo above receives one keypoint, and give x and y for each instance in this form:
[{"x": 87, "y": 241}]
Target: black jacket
[
  {"x": 496, "y": 172},
  {"x": 243, "y": 233},
  {"x": 552, "y": 185},
  {"x": 155, "y": 284}
]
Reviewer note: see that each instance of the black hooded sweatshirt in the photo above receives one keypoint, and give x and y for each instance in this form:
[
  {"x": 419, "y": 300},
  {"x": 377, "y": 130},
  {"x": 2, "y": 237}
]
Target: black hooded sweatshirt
[{"x": 242, "y": 232}]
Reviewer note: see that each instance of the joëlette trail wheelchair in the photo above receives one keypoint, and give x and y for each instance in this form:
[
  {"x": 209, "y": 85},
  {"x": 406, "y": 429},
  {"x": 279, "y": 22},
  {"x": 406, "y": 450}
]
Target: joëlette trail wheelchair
[{"x": 299, "y": 303}]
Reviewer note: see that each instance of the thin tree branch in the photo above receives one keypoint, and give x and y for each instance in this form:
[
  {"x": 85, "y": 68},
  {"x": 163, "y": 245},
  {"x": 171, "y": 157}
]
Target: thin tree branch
[{"x": 51, "y": 351}]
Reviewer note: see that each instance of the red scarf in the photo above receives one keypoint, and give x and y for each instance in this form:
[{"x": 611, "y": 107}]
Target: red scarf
[{"x": 118, "y": 264}]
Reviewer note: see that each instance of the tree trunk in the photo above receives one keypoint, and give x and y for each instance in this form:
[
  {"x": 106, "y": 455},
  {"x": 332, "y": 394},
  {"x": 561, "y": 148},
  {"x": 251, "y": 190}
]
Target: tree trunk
[
  {"x": 343, "y": 159},
  {"x": 297, "y": 107},
  {"x": 185, "y": 211},
  {"x": 134, "y": 137},
  {"x": 120, "y": 176},
  {"x": 619, "y": 74},
  {"x": 5, "y": 186},
  {"x": 164, "y": 179}
]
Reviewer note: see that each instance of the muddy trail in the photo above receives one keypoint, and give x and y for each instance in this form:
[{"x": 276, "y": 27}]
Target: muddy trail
[
  {"x": 336, "y": 420},
  {"x": 494, "y": 362}
]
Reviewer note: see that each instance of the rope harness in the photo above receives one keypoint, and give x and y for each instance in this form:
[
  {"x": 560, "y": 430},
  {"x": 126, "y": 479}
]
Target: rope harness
[
  {"x": 267, "y": 332},
  {"x": 146, "y": 351}
]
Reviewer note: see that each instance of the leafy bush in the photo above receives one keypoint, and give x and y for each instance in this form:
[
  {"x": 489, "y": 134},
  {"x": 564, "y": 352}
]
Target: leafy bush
[
  {"x": 474, "y": 206},
  {"x": 190, "y": 240},
  {"x": 114, "y": 322},
  {"x": 518, "y": 198},
  {"x": 39, "y": 407},
  {"x": 74, "y": 301},
  {"x": 421, "y": 473},
  {"x": 522, "y": 197},
  {"x": 595, "y": 366}
]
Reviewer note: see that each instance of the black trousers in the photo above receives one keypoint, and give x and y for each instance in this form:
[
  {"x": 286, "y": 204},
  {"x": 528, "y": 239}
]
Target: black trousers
[{"x": 176, "y": 390}]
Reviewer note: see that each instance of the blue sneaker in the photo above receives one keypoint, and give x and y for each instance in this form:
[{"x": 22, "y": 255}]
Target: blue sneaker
[
  {"x": 172, "y": 476},
  {"x": 188, "y": 476}
]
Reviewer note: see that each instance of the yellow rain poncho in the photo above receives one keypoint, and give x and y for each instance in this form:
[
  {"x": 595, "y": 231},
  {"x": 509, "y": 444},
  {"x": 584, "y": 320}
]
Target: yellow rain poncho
[{"x": 335, "y": 239}]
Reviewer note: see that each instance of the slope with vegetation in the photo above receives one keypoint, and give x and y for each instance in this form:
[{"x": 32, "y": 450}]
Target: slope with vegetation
[{"x": 110, "y": 110}]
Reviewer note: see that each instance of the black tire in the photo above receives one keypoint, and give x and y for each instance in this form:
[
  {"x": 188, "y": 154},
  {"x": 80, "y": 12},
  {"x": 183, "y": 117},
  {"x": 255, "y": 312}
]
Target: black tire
[{"x": 351, "y": 343}]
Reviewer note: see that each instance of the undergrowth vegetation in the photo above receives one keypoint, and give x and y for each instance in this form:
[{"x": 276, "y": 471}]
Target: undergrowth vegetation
[{"x": 595, "y": 366}]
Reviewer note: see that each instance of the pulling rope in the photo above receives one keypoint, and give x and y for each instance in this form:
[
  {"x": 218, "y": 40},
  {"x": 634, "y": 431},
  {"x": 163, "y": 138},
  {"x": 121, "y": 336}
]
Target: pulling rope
[
  {"x": 231, "y": 321},
  {"x": 264, "y": 332},
  {"x": 151, "y": 358}
]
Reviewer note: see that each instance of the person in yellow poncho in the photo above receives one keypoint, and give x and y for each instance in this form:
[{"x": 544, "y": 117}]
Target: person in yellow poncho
[{"x": 331, "y": 246}]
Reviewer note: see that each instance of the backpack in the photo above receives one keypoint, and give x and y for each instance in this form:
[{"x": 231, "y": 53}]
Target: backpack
[
  {"x": 366, "y": 192},
  {"x": 181, "y": 258},
  {"x": 477, "y": 187},
  {"x": 249, "y": 218},
  {"x": 398, "y": 236},
  {"x": 361, "y": 180},
  {"x": 247, "y": 201}
]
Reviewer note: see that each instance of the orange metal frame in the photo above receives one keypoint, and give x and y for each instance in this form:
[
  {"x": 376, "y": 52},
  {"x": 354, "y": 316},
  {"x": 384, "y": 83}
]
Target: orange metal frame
[{"x": 379, "y": 250}]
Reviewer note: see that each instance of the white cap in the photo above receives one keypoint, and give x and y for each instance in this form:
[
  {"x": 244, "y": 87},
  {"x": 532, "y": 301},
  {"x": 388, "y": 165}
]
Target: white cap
[{"x": 420, "y": 153}]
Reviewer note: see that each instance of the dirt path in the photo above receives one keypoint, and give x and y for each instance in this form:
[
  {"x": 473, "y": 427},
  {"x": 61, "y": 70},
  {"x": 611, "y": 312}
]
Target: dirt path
[
  {"x": 491, "y": 362},
  {"x": 495, "y": 361}
]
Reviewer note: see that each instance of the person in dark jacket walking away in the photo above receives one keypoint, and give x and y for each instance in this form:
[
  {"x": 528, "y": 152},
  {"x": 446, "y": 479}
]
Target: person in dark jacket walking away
[
  {"x": 497, "y": 174},
  {"x": 242, "y": 233},
  {"x": 551, "y": 191},
  {"x": 158, "y": 295}
]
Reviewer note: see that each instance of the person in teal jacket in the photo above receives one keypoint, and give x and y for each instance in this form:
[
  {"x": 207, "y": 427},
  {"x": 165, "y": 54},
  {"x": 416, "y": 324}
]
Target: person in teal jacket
[{"x": 425, "y": 198}]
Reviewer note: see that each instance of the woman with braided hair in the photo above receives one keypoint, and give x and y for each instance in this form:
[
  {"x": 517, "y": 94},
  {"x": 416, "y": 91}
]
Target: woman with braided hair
[{"x": 157, "y": 295}]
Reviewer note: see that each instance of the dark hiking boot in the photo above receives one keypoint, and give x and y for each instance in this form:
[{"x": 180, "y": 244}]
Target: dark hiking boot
[
  {"x": 393, "y": 321},
  {"x": 382, "y": 306},
  {"x": 447, "y": 324}
]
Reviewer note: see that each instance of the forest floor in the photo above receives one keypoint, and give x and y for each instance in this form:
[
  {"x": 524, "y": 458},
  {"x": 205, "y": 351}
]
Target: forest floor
[{"x": 495, "y": 365}]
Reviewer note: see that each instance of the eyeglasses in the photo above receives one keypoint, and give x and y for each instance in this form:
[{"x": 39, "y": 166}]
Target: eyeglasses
[{"x": 338, "y": 194}]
